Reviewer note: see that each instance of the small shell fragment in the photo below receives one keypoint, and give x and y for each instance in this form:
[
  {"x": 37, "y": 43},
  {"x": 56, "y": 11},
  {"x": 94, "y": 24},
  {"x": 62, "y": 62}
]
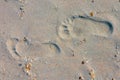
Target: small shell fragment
[
  {"x": 92, "y": 74},
  {"x": 91, "y": 14},
  {"x": 27, "y": 68}
]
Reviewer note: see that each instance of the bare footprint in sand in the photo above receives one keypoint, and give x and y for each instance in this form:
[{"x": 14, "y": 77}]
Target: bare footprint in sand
[
  {"x": 22, "y": 49},
  {"x": 81, "y": 26}
]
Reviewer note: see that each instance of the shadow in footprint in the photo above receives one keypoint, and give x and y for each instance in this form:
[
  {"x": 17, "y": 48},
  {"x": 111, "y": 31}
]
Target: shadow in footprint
[
  {"x": 109, "y": 24},
  {"x": 11, "y": 46},
  {"x": 54, "y": 46}
]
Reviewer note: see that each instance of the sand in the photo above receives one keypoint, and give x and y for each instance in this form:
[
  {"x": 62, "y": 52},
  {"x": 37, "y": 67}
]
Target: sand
[{"x": 59, "y": 40}]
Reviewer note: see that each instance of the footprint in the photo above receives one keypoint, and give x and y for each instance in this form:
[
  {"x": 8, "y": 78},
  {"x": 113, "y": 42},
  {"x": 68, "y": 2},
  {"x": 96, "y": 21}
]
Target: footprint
[
  {"x": 81, "y": 26},
  {"x": 21, "y": 49}
]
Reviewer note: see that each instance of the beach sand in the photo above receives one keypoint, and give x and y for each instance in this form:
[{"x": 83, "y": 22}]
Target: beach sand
[{"x": 59, "y": 40}]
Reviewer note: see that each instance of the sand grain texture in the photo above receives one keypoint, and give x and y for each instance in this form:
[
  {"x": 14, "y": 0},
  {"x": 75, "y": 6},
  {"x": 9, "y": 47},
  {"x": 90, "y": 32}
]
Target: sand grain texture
[{"x": 59, "y": 40}]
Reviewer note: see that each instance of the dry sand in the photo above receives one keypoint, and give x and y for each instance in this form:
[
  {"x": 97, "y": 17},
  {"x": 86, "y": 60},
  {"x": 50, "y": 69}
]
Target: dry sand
[{"x": 59, "y": 40}]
